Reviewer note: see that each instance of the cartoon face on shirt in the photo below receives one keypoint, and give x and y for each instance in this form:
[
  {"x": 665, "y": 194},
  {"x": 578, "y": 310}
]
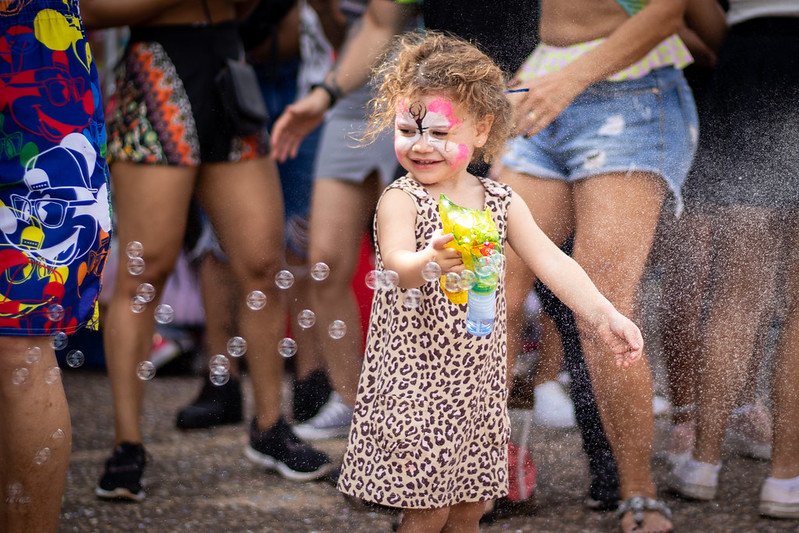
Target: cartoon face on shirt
[{"x": 435, "y": 138}]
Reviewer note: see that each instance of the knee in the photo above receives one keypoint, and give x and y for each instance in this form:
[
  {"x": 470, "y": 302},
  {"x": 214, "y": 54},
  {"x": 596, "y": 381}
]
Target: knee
[
  {"x": 257, "y": 268},
  {"x": 341, "y": 272},
  {"x": 132, "y": 272}
]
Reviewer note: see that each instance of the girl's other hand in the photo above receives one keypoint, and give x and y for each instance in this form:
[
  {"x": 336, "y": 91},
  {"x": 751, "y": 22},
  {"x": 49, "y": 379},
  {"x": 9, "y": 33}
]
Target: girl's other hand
[
  {"x": 623, "y": 338},
  {"x": 448, "y": 259}
]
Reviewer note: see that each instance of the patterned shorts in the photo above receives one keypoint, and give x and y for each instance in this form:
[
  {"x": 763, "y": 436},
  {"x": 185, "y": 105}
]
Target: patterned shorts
[
  {"x": 166, "y": 109},
  {"x": 55, "y": 219}
]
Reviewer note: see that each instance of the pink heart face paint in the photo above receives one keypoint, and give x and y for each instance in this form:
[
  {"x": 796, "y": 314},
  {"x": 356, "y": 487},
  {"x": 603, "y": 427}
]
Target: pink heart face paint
[{"x": 433, "y": 132}]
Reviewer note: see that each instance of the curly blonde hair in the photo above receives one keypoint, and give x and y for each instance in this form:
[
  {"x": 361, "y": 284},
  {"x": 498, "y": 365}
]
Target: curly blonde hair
[{"x": 432, "y": 62}]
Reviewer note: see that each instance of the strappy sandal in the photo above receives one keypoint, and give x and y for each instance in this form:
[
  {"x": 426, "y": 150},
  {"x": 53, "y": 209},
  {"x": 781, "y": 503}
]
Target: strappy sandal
[{"x": 638, "y": 505}]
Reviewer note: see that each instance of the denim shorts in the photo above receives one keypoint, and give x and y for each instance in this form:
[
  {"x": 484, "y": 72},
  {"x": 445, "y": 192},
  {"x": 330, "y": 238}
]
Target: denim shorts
[{"x": 647, "y": 124}]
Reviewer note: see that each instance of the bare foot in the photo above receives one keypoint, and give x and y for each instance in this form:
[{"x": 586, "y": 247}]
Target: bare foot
[{"x": 654, "y": 522}]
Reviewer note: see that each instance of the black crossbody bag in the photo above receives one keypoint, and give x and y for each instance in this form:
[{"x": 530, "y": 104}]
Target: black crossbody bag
[{"x": 241, "y": 96}]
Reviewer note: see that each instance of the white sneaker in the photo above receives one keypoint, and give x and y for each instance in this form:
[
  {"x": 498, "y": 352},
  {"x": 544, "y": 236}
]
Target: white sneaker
[
  {"x": 333, "y": 420},
  {"x": 695, "y": 479},
  {"x": 553, "y": 408},
  {"x": 779, "y": 498},
  {"x": 750, "y": 431}
]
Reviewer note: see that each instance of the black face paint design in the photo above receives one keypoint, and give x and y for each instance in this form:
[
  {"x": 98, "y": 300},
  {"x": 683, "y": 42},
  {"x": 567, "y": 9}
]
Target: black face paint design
[{"x": 418, "y": 111}]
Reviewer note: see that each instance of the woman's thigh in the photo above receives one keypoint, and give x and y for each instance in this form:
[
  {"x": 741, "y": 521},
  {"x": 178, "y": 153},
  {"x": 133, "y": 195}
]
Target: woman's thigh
[
  {"x": 549, "y": 200},
  {"x": 244, "y": 202},
  {"x": 615, "y": 220},
  {"x": 151, "y": 204},
  {"x": 340, "y": 213}
]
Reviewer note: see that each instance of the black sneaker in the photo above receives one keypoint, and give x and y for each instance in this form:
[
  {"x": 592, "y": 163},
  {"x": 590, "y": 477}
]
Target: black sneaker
[
  {"x": 310, "y": 394},
  {"x": 215, "y": 406},
  {"x": 122, "y": 476},
  {"x": 278, "y": 448}
]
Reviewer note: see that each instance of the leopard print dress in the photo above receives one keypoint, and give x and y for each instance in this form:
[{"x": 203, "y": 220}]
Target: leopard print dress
[{"x": 430, "y": 427}]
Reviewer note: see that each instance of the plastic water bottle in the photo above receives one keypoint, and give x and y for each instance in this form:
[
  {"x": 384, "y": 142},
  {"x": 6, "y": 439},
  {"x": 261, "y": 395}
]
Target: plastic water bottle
[{"x": 481, "y": 309}]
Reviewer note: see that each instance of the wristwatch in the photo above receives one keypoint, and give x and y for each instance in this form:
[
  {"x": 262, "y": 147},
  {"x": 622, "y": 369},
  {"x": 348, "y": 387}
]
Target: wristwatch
[{"x": 332, "y": 89}]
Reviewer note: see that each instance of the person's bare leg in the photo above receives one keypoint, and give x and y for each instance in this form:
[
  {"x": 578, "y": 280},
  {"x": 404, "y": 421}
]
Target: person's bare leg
[
  {"x": 550, "y": 203},
  {"x": 550, "y": 352},
  {"x": 340, "y": 213},
  {"x": 423, "y": 520},
  {"x": 151, "y": 204},
  {"x": 247, "y": 216},
  {"x": 464, "y": 518},
  {"x": 35, "y": 438},
  {"x": 615, "y": 220},
  {"x": 745, "y": 283},
  {"x": 218, "y": 290},
  {"x": 308, "y": 358},
  {"x": 687, "y": 253},
  {"x": 785, "y": 451}
]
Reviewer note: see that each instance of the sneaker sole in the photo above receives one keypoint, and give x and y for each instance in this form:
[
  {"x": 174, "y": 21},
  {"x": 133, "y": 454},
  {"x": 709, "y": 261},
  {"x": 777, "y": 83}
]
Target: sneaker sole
[
  {"x": 779, "y": 510},
  {"x": 282, "y": 468},
  {"x": 119, "y": 494},
  {"x": 306, "y": 433}
]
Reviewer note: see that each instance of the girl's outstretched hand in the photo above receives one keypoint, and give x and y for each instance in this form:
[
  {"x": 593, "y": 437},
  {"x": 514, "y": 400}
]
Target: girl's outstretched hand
[{"x": 623, "y": 337}]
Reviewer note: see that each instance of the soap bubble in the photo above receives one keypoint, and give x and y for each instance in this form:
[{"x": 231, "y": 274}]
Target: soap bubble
[
  {"x": 19, "y": 376},
  {"x": 59, "y": 340},
  {"x": 75, "y": 358},
  {"x": 55, "y": 312},
  {"x": 33, "y": 355},
  {"x": 284, "y": 279},
  {"x": 145, "y": 370},
  {"x": 431, "y": 271},
  {"x": 134, "y": 249},
  {"x": 452, "y": 282},
  {"x": 137, "y": 304},
  {"x": 42, "y": 456},
  {"x": 219, "y": 363},
  {"x": 219, "y": 378},
  {"x": 256, "y": 300},
  {"x": 146, "y": 292},
  {"x": 468, "y": 279},
  {"x": 236, "y": 346},
  {"x": 388, "y": 279},
  {"x": 287, "y": 347},
  {"x": 320, "y": 271},
  {"x": 413, "y": 299},
  {"x": 306, "y": 318},
  {"x": 371, "y": 279},
  {"x": 52, "y": 375},
  {"x": 164, "y": 314},
  {"x": 58, "y": 435},
  {"x": 135, "y": 266},
  {"x": 337, "y": 329}
]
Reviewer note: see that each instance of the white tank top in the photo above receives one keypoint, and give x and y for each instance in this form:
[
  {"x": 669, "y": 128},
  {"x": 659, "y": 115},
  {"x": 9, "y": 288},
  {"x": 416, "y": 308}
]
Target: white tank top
[{"x": 741, "y": 10}]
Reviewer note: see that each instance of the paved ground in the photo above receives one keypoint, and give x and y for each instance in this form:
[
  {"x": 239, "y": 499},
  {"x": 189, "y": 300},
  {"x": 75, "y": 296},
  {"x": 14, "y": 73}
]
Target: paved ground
[{"x": 200, "y": 481}]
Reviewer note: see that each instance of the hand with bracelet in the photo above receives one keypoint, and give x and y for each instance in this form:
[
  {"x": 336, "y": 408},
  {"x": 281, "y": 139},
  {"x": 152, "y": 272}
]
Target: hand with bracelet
[{"x": 302, "y": 117}]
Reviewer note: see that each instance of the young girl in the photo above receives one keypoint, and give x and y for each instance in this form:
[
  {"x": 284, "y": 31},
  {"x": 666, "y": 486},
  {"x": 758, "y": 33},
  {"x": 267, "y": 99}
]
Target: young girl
[{"x": 430, "y": 428}]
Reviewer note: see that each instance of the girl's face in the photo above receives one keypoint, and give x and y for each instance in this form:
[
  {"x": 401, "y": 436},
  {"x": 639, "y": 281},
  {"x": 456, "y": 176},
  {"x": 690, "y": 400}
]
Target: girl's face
[{"x": 435, "y": 137}]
